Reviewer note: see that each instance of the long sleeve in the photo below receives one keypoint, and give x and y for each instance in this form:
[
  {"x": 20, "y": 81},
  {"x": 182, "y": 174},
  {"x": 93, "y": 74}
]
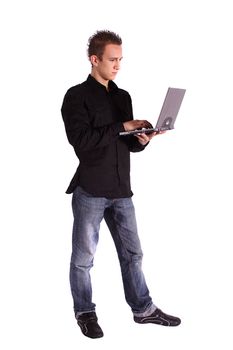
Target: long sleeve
[
  {"x": 133, "y": 144},
  {"x": 80, "y": 132}
]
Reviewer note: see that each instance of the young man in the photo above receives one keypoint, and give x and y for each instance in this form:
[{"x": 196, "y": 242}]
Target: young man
[{"x": 94, "y": 113}]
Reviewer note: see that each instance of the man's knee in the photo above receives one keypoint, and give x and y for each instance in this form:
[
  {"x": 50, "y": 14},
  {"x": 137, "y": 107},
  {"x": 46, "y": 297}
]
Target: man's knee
[{"x": 81, "y": 260}]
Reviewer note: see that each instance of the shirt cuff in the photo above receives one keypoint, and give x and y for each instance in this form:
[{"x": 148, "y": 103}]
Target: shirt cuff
[{"x": 118, "y": 127}]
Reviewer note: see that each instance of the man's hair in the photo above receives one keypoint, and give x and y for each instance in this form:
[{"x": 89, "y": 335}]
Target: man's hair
[{"x": 98, "y": 41}]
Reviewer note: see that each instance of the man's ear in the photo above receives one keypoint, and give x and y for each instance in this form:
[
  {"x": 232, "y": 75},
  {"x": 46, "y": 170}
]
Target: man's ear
[{"x": 94, "y": 60}]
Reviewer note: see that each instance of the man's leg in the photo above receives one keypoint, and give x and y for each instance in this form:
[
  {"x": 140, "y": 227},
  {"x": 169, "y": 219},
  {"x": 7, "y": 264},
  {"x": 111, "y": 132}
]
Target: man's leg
[
  {"x": 120, "y": 218},
  {"x": 88, "y": 212}
]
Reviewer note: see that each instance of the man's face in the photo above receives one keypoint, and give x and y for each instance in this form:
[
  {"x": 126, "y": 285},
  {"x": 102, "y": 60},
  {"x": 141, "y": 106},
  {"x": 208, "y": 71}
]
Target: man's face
[{"x": 107, "y": 67}]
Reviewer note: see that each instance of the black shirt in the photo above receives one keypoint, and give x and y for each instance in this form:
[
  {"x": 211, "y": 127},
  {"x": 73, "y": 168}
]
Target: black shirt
[{"x": 93, "y": 118}]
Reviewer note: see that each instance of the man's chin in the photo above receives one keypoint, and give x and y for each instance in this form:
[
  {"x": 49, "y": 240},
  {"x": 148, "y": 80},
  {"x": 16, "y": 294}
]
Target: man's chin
[{"x": 113, "y": 76}]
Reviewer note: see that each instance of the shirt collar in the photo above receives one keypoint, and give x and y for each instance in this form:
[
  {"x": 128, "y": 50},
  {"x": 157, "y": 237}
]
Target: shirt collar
[{"x": 93, "y": 82}]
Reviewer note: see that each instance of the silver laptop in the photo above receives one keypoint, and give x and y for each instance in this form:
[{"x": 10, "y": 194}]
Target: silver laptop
[{"x": 168, "y": 114}]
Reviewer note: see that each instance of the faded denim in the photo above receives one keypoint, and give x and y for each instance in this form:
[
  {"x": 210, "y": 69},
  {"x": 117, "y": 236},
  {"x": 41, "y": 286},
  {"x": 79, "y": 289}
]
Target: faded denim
[{"x": 119, "y": 215}]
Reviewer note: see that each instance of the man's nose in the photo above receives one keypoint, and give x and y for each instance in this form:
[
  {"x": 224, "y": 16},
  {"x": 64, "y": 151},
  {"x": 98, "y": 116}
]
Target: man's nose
[{"x": 118, "y": 65}]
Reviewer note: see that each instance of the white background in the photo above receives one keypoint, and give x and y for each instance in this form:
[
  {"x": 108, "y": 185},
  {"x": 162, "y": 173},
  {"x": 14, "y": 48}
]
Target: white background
[{"x": 182, "y": 183}]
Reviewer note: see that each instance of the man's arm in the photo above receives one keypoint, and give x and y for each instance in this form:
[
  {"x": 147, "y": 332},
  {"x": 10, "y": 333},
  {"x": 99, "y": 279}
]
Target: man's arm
[
  {"x": 136, "y": 143},
  {"x": 80, "y": 133}
]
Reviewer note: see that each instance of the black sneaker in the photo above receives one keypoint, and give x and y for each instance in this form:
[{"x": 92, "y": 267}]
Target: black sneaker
[
  {"x": 159, "y": 317},
  {"x": 89, "y": 325}
]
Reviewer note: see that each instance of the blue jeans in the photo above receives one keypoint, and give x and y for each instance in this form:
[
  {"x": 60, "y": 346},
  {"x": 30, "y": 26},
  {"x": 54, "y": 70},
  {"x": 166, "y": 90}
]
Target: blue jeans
[{"x": 119, "y": 215}]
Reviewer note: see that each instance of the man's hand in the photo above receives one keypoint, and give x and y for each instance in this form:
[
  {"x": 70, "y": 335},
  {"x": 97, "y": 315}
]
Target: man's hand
[
  {"x": 136, "y": 124},
  {"x": 145, "y": 138}
]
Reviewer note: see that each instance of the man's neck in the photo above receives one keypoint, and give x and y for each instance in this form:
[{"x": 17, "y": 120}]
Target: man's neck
[{"x": 97, "y": 77}]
